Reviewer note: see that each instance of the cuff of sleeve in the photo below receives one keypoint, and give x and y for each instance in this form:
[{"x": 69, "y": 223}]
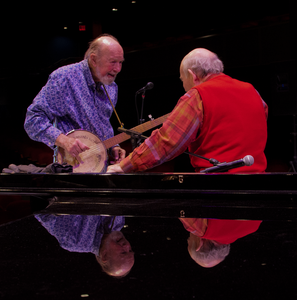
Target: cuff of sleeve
[
  {"x": 50, "y": 137},
  {"x": 126, "y": 165}
]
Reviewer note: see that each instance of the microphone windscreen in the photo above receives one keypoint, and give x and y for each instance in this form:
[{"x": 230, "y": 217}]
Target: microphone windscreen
[
  {"x": 149, "y": 85},
  {"x": 248, "y": 160}
]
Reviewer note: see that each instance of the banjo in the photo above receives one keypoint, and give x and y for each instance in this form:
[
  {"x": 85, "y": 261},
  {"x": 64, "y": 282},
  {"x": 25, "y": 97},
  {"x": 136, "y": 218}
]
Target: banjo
[{"x": 94, "y": 160}]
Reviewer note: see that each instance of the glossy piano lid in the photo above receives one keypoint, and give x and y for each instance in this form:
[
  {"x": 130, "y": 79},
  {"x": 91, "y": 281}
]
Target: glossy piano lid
[
  {"x": 258, "y": 266},
  {"x": 269, "y": 196}
]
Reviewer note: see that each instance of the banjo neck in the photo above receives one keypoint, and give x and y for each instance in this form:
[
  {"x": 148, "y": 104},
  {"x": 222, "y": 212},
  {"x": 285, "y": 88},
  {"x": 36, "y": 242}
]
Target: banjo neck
[{"x": 140, "y": 128}]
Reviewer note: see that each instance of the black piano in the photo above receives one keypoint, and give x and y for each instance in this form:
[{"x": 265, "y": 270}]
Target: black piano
[
  {"x": 266, "y": 196},
  {"x": 259, "y": 265}
]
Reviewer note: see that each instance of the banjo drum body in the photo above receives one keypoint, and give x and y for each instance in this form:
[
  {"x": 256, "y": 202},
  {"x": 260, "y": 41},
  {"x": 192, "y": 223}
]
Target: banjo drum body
[{"x": 93, "y": 160}]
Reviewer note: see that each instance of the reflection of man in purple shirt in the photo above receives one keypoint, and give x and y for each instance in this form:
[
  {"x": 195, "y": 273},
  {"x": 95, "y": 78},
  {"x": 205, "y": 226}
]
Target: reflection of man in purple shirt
[
  {"x": 99, "y": 235},
  {"x": 77, "y": 233}
]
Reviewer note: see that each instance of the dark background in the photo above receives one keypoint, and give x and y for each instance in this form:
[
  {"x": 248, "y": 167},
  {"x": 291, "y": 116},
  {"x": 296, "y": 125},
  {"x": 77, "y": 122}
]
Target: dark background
[{"x": 257, "y": 43}]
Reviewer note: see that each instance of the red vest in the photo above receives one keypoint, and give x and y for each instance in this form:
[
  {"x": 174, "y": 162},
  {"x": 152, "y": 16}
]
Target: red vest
[
  {"x": 228, "y": 231},
  {"x": 234, "y": 124}
]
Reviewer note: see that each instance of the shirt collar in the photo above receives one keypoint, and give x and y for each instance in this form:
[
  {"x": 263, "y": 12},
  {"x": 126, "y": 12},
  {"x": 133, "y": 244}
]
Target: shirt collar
[
  {"x": 87, "y": 73},
  {"x": 212, "y": 76}
]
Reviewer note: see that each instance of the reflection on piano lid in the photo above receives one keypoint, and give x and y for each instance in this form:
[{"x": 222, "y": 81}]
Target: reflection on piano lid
[{"x": 247, "y": 196}]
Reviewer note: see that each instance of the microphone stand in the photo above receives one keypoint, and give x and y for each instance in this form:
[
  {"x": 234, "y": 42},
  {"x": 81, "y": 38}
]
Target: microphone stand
[
  {"x": 138, "y": 135},
  {"x": 142, "y": 104},
  {"x": 148, "y": 86},
  {"x": 211, "y": 160},
  {"x": 293, "y": 162},
  {"x": 135, "y": 138}
]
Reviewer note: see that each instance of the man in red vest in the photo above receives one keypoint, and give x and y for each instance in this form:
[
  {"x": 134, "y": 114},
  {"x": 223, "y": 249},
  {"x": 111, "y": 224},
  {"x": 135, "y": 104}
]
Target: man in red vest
[{"x": 218, "y": 117}]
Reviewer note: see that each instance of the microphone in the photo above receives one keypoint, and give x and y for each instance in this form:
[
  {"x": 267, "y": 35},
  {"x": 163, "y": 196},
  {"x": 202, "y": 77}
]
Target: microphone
[
  {"x": 148, "y": 86},
  {"x": 222, "y": 167}
]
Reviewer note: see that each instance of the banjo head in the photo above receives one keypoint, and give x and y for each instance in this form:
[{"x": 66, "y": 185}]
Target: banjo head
[{"x": 93, "y": 160}]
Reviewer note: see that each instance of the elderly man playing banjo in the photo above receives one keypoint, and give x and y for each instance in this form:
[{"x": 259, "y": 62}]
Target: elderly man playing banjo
[{"x": 80, "y": 97}]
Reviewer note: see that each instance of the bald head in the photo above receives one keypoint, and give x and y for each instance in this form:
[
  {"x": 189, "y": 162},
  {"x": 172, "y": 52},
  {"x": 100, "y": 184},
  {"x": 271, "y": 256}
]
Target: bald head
[
  {"x": 209, "y": 254},
  {"x": 202, "y": 62},
  {"x": 100, "y": 44},
  {"x": 201, "y": 52}
]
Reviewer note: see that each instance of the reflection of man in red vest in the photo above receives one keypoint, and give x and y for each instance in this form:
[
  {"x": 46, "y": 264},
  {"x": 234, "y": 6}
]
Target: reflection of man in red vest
[
  {"x": 218, "y": 117},
  {"x": 210, "y": 239}
]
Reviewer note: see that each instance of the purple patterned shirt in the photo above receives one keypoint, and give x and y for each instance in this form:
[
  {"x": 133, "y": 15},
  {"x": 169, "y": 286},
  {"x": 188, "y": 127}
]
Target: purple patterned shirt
[
  {"x": 71, "y": 95},
  {"x": 77, "y": 233}
]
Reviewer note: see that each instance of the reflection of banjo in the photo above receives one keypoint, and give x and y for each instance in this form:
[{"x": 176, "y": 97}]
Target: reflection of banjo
[{"x": 94, "y": 160}]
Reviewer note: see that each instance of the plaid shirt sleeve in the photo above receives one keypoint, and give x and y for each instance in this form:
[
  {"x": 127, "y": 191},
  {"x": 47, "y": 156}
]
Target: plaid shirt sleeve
[{"x": 172, "y": 139}]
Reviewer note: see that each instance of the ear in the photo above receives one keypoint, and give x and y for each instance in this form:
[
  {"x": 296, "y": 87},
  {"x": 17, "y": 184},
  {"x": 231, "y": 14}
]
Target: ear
[
  {"x": 194, "y": 77},
  {"x": 200, "y": 245},
  {"x": 93, "y": 59},
  {"x": 104, "y": 255}
]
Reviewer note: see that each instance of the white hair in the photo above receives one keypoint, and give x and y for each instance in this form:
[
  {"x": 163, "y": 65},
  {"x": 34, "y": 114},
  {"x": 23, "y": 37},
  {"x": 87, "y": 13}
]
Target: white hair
[{"x": 202, "y": 65}]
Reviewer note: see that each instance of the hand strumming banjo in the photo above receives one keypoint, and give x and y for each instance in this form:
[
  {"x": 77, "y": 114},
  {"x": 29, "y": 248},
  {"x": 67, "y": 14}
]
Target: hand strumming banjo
[{"x": 94, "y": 159}]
